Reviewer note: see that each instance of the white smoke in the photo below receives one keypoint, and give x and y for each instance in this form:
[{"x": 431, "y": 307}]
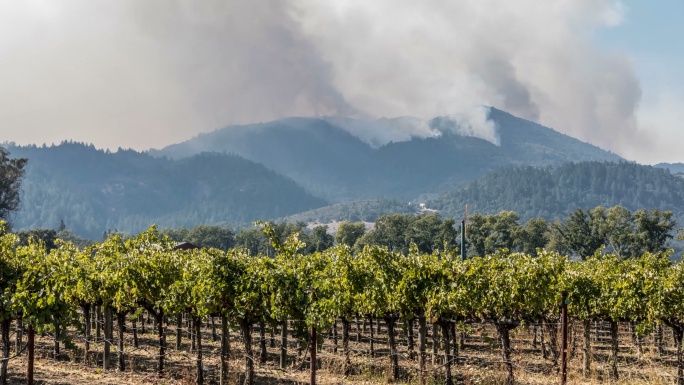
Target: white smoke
[
  {"x": 147, "y": 73},
  {"x": 474, "y": 122},
  {"x": 437, "y": 57},
  {"x": 378, "y": 132}
]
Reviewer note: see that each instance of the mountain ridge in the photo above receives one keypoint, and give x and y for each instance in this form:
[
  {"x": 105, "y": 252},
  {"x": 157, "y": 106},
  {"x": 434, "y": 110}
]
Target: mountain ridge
[
  {"x": 338, "y": 166},
  {"x": 94, "y": 190}
]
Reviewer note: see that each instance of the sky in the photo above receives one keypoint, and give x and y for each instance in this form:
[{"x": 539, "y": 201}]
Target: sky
[{"x": 145, "y": 74}]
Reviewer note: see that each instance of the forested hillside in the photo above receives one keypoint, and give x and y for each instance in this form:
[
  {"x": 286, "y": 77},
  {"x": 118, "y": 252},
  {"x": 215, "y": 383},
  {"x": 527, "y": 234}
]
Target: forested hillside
[
  {"x": 93, "y": 190},
  {"x": 532, "y": 192},
  {"x": 323, "y": 156},
  {"x": 554, "y": 192}
]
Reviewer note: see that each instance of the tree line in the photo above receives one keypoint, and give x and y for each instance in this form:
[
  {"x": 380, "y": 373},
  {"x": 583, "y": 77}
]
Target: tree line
[{"x": 615, "y": 229}]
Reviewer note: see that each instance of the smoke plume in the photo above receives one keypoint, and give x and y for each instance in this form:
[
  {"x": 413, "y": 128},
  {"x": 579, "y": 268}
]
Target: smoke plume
[{"x": 148, "y": 73}]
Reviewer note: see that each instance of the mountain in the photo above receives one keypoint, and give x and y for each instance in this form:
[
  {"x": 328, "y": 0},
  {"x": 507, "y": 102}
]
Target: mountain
[
  {"x": 320, "y": 157},
  {"x": 554, "y": 192},
  {"x": 94, "y": 190},
  {"x": 323, "y": 156}
]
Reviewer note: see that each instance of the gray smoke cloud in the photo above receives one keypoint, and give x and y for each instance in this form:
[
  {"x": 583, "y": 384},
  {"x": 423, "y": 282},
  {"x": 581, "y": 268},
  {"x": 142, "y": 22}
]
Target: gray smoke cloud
[
  {"x": 148, "y": 73},
  {"x": 531, "y": 58}
]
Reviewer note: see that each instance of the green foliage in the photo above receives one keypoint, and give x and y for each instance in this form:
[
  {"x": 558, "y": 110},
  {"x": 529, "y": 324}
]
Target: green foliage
[
  {"x": 271, "y": 236},
  {"x": 618, "y": 229},
  {"x": 320, "y": 240},
  {"x": 79, "y": 275},
  {"x": 11, "y": 270},
  {"x": 69, "y": 236},
  {"x": 666, "y": 304},
  {"x": 515, "y": 288},
  {"x": 348, "y": 233},
  {"x": 254, "y": 241},
  {"x": 380, "y": 297},
  {"x": 582, "y": 231},
  {"x": 425, "y": 285},
  {"x": 206, "y": 236},
  {"x": 221, "y": 282},
  {"x": 488, "y": 233},
  {"x": 654, "y": 229},
  {"x": 11, "y": 174},
  {"x": 534, "y": 236},
  {"x": 621, "y": 232},
  {"x": 339, "y": 285},
  {"x": 398, "y": 231},
  {"x": 37, "y": 297},
  {"x": 47, "y": 236}
]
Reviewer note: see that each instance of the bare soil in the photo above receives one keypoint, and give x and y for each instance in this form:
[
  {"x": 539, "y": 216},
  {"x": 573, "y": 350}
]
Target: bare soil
[{"x": 479, "y": 360}]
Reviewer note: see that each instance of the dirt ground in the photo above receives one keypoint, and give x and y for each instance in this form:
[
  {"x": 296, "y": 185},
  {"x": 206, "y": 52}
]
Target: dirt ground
[{"x": 479, "y": 362}]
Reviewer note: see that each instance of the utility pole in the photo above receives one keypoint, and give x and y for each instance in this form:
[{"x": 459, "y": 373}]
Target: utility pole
[
  {"x": 463, "y": 240},
  {"x": 313, "y": 345},
  {"x": 463, "y": 234}
]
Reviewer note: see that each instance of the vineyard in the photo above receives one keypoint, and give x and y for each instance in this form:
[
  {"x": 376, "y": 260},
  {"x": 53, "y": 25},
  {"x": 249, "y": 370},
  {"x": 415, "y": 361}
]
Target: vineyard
[{"x": 413, "y": 317}]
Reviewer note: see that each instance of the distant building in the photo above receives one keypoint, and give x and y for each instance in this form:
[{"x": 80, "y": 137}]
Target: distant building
[{"x": 185, "y": 246}]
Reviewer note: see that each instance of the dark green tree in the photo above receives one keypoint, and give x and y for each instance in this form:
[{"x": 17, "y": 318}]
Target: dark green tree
[
  {"x": 534, "y": 235},
  {"x": 398, "y": 231},
  {"x": 556, "y": 237},
  {"x": 389, "y": 232},
  {"x": 69, "y": 236},
  {"x": 257, "y": 243},
  {"x": 48, "y": 236},
  {"x": 253, "y": 240},
  {"x": 207, "y": 236},
  {"x": 179, "y": 234},
  {"x": 581, "y": 231},
  {"x": 430, "y": 233},
  {"x": 487, "y": 233},
  {"x": 11, "y": 173},
  {"x": 477, "y": 231},
  {"x": 505, "y": 228},
  {"x": 349, "y": 232},
  {"x": 653, "y": 229},
  {"x": 320, "y": 240},
  {"x": 617, "y": 228}
]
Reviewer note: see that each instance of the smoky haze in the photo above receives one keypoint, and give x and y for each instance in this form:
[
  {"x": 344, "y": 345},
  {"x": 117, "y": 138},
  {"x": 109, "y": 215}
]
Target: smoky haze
[{"x": 148, "y": 73}]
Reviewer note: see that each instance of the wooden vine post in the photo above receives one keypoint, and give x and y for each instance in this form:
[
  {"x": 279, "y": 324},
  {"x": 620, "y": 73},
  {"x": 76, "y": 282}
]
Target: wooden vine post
[{"x": 564, "y": 338}]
